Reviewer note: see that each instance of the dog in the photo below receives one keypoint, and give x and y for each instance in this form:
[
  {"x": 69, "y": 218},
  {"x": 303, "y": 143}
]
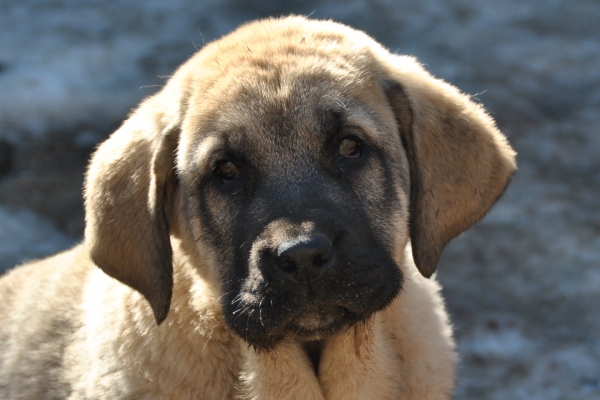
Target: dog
[{"x": 264, "y": 227}]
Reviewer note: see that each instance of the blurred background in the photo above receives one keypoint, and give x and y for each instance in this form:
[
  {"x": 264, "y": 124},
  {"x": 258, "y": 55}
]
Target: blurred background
[{"x": 522, "y": 286}]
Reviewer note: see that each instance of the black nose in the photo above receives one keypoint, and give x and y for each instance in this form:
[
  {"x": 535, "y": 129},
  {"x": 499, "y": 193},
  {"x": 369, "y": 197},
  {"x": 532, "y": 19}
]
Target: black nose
[{"x": 304, "y": 258}]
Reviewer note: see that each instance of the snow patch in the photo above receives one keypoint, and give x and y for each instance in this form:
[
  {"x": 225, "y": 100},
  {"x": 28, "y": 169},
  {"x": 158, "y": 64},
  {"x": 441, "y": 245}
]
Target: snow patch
[
  {"x": 502, "y": 343},
  {"x": 25, "y": 235}
]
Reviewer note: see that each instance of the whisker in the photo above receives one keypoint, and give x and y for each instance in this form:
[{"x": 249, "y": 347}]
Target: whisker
[
  {"x": 248, "y": 320},
  {"x": 260, "y": 311},
  {"x": 224, "y": 294},
  {"x": 241, "y": 313},
  {"x": 237, "y": 299}
]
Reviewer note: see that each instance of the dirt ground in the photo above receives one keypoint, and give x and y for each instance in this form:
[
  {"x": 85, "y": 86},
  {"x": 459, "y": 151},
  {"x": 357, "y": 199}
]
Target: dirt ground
[{"x": 522, "y": 286}]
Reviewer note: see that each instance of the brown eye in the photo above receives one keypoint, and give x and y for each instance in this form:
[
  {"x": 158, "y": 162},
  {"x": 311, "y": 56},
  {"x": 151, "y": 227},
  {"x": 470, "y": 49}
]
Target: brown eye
[
  {"x": 226, "y": 171},
  {"x": 350, "y": 148}
]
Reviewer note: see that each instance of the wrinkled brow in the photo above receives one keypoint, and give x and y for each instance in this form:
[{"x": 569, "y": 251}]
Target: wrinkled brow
[{"x": 351, "y": 115}]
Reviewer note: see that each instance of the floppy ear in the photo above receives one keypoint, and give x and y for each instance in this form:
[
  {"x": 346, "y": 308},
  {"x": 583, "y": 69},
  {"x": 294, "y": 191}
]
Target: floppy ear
[
  {"x": 460, "y": 163},
  {"x": 129, "y": 189}
]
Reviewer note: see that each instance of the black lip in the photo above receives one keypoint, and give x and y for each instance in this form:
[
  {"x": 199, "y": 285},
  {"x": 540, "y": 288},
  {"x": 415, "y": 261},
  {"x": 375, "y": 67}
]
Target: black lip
[{"x": 343, "y": 318}]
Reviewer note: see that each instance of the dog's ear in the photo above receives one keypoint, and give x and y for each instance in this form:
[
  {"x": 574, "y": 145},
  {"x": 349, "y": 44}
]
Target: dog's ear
[
  {"x": 129, "y": 198},
  {"x": 460, "y": 163}
]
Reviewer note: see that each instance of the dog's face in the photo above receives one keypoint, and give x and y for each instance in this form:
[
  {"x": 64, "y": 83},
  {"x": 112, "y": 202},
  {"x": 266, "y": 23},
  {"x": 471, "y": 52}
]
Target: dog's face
[
  {"x": 295, "y": 158},
  {"x": 299, "y": 191}
]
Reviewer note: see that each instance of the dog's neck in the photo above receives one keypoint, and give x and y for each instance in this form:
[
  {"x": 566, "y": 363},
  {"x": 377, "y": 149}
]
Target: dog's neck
[{"x": 314, "y": 349}]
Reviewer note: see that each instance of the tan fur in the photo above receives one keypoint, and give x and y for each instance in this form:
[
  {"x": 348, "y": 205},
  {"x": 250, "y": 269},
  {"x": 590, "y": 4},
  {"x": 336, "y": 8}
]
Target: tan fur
[{"x": 69, "y": 331}]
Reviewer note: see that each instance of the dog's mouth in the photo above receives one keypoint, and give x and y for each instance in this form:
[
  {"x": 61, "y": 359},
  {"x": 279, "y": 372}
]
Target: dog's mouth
[
  {"x": 318, "y": 323},
  {"x": 264, "y": 324}
]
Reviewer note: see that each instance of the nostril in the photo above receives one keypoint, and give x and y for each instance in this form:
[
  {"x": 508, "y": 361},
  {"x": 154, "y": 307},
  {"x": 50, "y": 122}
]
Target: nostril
[
  {"x": 320, "y": 260},
  {"x": 287, "y": 265},
  {"x": 304, "y": 257}
]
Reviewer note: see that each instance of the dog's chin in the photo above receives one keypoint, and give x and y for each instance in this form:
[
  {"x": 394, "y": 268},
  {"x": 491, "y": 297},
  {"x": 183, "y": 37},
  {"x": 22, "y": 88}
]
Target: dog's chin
[
  {"x": 312, "y": 323},
  {"x": 319, "y": 325},
  {"x": 301, "y": 316}
]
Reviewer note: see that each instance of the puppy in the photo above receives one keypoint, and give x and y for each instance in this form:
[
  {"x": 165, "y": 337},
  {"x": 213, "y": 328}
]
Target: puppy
[{"x": 251, "y": 230}]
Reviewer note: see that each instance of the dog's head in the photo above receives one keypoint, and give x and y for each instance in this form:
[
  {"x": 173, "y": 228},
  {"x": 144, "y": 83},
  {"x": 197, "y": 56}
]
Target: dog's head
[{"x": 295, "y": 159}]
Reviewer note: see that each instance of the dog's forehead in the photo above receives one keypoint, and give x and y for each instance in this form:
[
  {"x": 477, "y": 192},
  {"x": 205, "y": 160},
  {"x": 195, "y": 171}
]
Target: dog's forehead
[
  {"x": 288, "y": 113},
  {"x": 286, "y": 85},
  {"x": 290, "y": 121}
]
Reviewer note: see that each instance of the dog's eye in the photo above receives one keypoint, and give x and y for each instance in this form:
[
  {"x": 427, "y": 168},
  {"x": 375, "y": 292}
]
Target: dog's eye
[
  {"x": 226, "y": 171},
  {"x": 350, "y": 148}
]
